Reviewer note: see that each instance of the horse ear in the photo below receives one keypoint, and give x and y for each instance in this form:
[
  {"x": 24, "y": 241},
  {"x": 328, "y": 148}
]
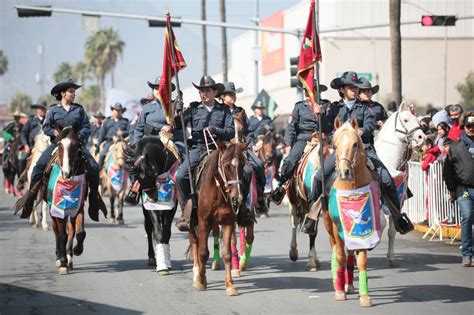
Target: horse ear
[
  {"x": 337, "y": 123},
  {"x": 411, "y": 108},
  {"x": 354, "y": 123},
  {"x": 401, "y": 107}
]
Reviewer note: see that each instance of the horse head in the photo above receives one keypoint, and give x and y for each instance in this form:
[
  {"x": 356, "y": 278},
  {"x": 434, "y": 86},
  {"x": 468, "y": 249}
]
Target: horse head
[
  {"x": 68, "y": 148},
  {"x": 230, "y": 169},
  {"x": 119, "y": 148},
  {"x": 268, "y": 147},
  {"x": 239, "y": 118},
  {"x": 349, "y": 149}
]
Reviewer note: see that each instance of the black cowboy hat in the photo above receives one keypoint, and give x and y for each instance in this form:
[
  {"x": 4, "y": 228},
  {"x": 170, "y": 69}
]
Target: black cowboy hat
[
  {"x": 98, "y": 115},
  {"x": 259, "y": 104},
  {"x": 468, "y": 119},
  {"x": 64, "y": 86},
  {"x": 208, "y": 82},
  {"x": 118, "y": 106},
  {"x": 322, "y": 87},
  {"x": 367, "y": 86},
  {"x": 157, "y": 84},
  {"x": 347, "y": 78},
  {"x": 229, "y": 87},
  {"x": 40, "y": 106}
]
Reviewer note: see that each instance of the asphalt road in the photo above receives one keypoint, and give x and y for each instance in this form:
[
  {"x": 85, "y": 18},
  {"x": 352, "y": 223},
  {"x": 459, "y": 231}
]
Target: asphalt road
[{"x": 112, "y": 276}]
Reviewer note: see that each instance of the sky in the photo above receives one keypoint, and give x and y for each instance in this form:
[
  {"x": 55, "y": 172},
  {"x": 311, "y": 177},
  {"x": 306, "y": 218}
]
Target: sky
[{"x": 63, "y": 39}]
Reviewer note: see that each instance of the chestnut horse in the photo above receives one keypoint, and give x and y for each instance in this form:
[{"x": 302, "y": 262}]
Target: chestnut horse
[
  {"x": 219, "y": 201},
  {"x": 352, "y": 174}
]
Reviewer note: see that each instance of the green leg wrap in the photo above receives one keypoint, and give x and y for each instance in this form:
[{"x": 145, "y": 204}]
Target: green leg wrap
[
  {"x": 217, "y": 254},
  {"x": 245, "y": 257},
  {"x": 334, "y": 266},
  {"x": 363, "y": 285}
]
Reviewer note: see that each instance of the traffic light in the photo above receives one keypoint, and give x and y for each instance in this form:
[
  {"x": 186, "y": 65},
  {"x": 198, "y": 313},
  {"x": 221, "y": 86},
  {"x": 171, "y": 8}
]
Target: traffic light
[
  {"x": 438, "y": 20},
  {"x": 294, "y": 82},
  {"x": 32, "y": 12},
  {"x": 159, "y": 23}
]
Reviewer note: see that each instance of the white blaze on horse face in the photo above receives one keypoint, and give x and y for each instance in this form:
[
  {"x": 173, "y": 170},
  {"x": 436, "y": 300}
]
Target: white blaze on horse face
[
  {"x": 345, "y": 159},
  {"x": 65, "y": 168},
  {"x": 235, "y": 163}
]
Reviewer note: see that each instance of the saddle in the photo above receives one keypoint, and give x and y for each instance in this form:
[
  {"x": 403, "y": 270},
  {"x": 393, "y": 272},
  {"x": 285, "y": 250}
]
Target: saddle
[{"x": 298, "y": 175}]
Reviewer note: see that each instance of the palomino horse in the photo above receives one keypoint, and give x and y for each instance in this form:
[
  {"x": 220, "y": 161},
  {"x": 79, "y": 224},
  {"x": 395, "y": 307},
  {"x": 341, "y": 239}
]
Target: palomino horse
[
  {"x": 353, "y": 219},
  {"x": 298, "y": 192},
  {"x": 398, "y": 136},
  {"x": 42, "y": 141},
  {"x": 11, "y": 166},
  {"x": 219, "y": 201},
  {"x": 115, "y": 178},
  {"x": 149, "y": 161}
]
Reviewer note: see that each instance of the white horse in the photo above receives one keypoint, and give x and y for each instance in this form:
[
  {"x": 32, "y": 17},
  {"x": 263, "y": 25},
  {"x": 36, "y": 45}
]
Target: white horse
[
  {"x": 400, "y": 133},
  {"x": 42, "y": 141}
]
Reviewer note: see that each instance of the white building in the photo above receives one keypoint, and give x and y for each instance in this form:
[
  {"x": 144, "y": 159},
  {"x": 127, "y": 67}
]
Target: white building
[{"x": 365, "y": 51}]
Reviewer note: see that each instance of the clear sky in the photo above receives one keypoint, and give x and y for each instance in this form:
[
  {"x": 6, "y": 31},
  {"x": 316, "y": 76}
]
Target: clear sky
[{"x": 63, "y": 39}]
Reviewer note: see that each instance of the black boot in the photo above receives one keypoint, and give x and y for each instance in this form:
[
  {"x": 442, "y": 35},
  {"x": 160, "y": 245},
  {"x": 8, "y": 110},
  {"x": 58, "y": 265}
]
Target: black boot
[
  {"x": 133, "y": 195},
  {"x": 403, "y": 224},
  {"x": 184, "y": 222},
  {"x": 278, "y": 194},
  {"x": 261, "y": 202}
]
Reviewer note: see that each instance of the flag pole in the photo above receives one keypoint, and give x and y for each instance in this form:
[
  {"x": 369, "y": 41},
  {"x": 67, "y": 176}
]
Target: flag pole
[
  {"x": 183, "y": 127},
  {"x": 318, "y": 102}
]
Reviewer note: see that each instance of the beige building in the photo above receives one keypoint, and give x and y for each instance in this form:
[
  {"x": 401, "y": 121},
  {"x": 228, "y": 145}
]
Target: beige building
[{"x": 366, "y": 51}]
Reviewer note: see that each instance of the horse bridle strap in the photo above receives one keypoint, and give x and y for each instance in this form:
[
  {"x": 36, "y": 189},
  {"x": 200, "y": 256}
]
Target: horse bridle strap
[{"x": 408, "y": 133}]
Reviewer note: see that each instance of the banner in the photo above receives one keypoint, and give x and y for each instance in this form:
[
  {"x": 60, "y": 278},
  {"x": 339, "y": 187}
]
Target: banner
[{"x": 273, "y": 45}]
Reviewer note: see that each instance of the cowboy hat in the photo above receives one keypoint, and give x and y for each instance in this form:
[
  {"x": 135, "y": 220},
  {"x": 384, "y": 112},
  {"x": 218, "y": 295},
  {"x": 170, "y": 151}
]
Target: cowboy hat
[
  {"x": 98, "y": 115},
  {"x": 229, "y": 87},
  {"x": 39, "y": 106},
  {"x": 118, "y": 106},
  {"x": 157, "y": 84},
  {"x": 367, "y": 86},
  {"x": 63, "y": 86},
  {"x": 17, "y": 113},
  {"x": 468, "y": 119},
  {"x": 208, "y": 82},
  {"x": 259, "y": 104},
  {"x": 347, "y": 78}
]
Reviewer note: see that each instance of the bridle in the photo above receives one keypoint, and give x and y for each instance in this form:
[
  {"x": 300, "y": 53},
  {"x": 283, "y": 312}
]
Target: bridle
[
  {"x": 351, "y": 162},
  {"x": 407, "y": 150}
]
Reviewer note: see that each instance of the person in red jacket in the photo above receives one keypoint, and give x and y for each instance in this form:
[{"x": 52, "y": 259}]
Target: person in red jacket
[
  {"x": 455, "y": 111},
  {"x": 431, "y": 152}
]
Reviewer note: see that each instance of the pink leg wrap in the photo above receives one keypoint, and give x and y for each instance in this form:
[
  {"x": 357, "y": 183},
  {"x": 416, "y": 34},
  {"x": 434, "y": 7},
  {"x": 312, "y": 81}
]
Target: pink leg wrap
[
  {"x": 235, "y": 257},
  {"x": 350, "y": 270},
  {"x": 6, "y": 184},
  {"x": 340, "y": 279},
  {"x": 242, "y": 241}
]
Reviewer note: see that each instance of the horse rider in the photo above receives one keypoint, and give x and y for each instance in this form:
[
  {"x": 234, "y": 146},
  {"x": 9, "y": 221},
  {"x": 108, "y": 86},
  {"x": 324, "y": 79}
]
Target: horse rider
[
  {"x": 304, "y": 122},
  {"x": 365, "y": 94},
  {"x": 229, "y": 97},
  {"x": 260, "y": 123},
  {"x": 136, "y": 118},
  {"x": 31, "y": 129},
  {"x": 115, "y": 125},
  {"x": 11, "y": 131},
  {"x": 66, "y": 113},
  {"x": 349, "y": 106},
  {"x": 208, "y": 115},
  {"x": 98, "y": 119},
  {"x": 151, "y": 121}
]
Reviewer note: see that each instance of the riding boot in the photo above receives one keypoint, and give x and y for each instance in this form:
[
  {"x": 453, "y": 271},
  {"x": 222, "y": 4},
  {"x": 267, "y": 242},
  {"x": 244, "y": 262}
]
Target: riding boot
[
  {"x": 311, "y": 221},
  {"x": 402, "y": 223},
  {"x": 261, "y": 202},
  {"x": 279, "y": 193},
  {"x": 167, "y": 256},
  {"x": 184, "y": 222},
  {"x": 161, "y": 267},
  {"x": 132, "y": 197}
]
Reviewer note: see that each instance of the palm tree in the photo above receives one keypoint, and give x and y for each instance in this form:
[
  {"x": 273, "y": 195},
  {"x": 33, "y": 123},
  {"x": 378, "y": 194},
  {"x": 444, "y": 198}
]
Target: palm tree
[
  {"x": 90, "y": 98},
  {"x": 3, "y": 63},
  {"x": 102, "y": 52},
  {"x": 64, "y": 72},
  {"x": 20, "y": 101},
  {"x": 81, "y": 70}
]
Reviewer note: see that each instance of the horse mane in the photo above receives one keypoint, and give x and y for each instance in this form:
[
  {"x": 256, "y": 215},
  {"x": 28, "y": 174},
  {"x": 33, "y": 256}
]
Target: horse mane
[
  {"x": 268, "y": 137},
  {"x": 211, "y": 168},
  {"x": 133, "y": 154}
]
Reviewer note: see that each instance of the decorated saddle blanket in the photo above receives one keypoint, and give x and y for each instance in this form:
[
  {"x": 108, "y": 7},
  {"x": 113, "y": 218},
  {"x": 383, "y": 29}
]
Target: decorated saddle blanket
[
  {"x": 357, "y": 216},
  {"x": 307, "y": 168},
  {"x": 65, "y": 195},
  {"x": 401, "y": 183},
  {"x": 270, "y": 174},
  {"x": 166, "y": 188},
  {"x": 118, "y": 176}
]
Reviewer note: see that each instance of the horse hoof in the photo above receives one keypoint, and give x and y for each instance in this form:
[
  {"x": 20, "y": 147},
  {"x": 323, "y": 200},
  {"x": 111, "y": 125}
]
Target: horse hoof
[
  {"x": 34, "y": 225},
  {"x": 365, "y": 301},
  {"x": 350, "y": 289},
  {"x": 394, "y": 263},
  {"x": 63, "y": 271},
  {"x": 111, "y": 221},
  {"x": 264, "y": 216},
  {"x": 231, "y": 291},
  {"x": 242, "y": 266},
  {"x": 70, "y": 266},
  {"x": 294, "y": 254},
  {"x": 216, "y": 265},
  {"x": 235, "y": 273},
  {"x": 120, "y": 222},
  {"x": 199, "y": 286},
  {"x": 45, "y": 228},
  {"x": 57, "y": 264},
  {"x": 78, "y": 249},
  {"x": 163, "y": 272},
  {"x": 340, "y": 296},
  {"x": 151, "y": 262},
  {"x": 311, "y": 268}
]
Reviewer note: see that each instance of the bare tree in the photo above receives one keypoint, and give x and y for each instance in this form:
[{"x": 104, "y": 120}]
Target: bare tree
[
  {"x": 396, "y": 49},
  {"x": 204, "y": 38},
  {"x": 224, "y": 42}
]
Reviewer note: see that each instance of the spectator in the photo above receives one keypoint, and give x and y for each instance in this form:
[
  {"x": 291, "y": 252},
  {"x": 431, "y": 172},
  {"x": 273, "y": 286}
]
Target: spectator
[
  {"x": 391, "y": 108},
  {"x": 442, "y": 134},
  {"x": 431, "y": 153},
  {"x": 446, "y": 145},
  {"x": 458, "y": 174},
  {"x": 455, "y": 112}
]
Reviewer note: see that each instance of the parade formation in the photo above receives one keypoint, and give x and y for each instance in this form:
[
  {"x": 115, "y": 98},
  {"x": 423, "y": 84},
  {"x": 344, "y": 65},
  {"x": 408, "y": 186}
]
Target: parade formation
[{"x": 342, "y": 162}]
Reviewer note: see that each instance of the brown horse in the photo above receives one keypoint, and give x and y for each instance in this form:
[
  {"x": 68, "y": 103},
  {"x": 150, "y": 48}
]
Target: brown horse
[
  {"x": 219, "y": 201},
  {"x": 352, "y": 173},
  {"x": 11, "y": 166}
]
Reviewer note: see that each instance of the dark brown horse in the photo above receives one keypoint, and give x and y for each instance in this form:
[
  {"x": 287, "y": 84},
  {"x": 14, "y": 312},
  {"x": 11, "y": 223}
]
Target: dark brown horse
[
  {"x": 219, "y": 201},
  {"x": 11, "y": 166}
]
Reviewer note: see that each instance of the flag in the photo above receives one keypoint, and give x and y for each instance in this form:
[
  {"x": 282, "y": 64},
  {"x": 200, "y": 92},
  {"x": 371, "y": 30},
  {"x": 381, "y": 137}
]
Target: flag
[
  {"x": 173, "y": 62},
  {"x": 310, "y": 53}
]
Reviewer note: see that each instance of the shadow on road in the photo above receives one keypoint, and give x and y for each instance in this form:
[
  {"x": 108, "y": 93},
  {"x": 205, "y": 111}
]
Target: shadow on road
[{"x": 19, "y": 300}]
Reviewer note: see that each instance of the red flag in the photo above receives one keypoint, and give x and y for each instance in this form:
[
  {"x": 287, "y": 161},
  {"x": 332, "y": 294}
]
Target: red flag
[
  {"x": 310, "y": 53},
  {"x": 171, "y": 65}
]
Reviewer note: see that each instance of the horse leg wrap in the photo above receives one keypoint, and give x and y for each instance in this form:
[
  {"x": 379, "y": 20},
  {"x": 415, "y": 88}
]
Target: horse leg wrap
[
  {"x": 242, "y": 240},
  {"x": 245, "y": 257},
  {"x": 334, "y": 266},
  {"x": 363, "y": 284},
  {"x": 340, "y": 279},
  {"x": 235, "y": 257},
  {"x": 350, "y": 270},
  {"x": 217, "y": 255}
]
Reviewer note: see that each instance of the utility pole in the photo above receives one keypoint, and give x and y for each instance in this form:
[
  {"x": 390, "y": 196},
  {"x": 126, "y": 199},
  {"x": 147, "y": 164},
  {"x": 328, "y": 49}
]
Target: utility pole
[
  {"x": 224, "y": 43},
  {"x": 396, "y": 50},
  {"x": 204, "y": 38},
  {"x": 256, "y": 48}
]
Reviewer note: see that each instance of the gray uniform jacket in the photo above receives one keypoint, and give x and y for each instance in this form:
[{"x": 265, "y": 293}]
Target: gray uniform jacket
[
  {"x": 110, "y": 127},
  {"x": 303, "y": 124},
  {"x": 76, "y": 116}
]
